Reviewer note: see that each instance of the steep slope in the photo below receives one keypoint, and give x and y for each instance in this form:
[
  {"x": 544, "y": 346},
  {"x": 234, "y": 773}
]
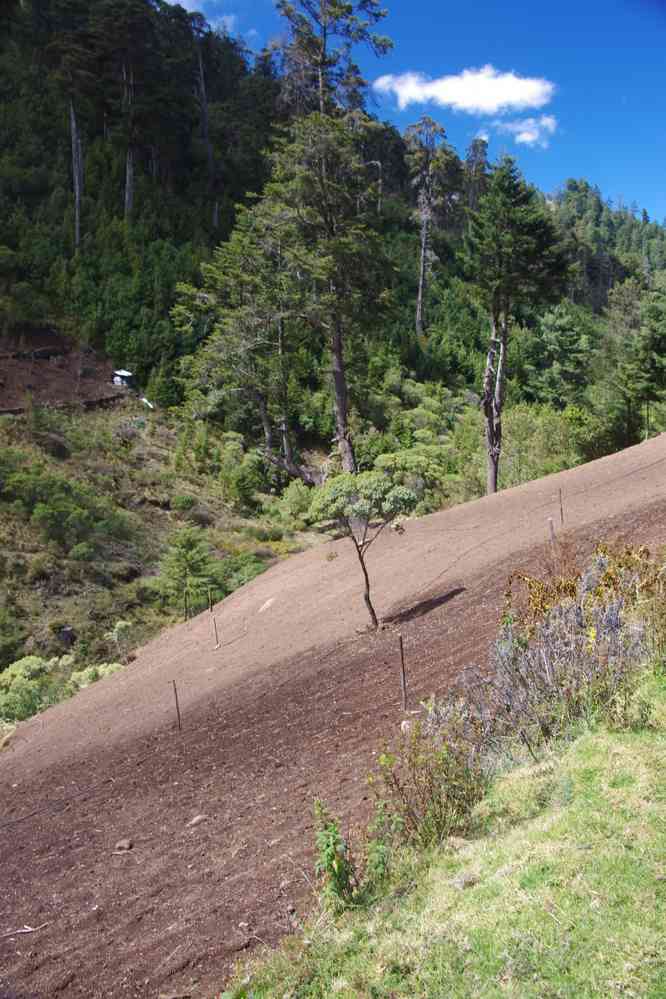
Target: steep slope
[{"x": 293, "y": 704}]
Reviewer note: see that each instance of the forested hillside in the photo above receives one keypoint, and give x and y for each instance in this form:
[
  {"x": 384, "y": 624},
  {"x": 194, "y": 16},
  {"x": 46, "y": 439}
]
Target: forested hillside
[
  {"x": 130, "y": 133},
  {"x": 299, "y": 288}
]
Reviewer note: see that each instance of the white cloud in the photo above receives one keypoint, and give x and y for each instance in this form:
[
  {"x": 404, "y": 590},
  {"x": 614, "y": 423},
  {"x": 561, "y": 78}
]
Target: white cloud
[
  {"x": 225, "y": 22},
  {"x": 475, "y": 91},
  {"x": 530, "y": 131}
]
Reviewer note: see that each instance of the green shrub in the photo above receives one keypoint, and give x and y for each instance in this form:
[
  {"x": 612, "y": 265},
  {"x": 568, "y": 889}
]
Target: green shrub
[
  {"x": 82, "y": 552},
  {"x": 334, "y": 865},
  {"x": 33, "y": 683},
  {"x": 295, "y": 500},
  {"x": 28, "y": 685},
  {"x": 428, "y": 786},
  {"x": 187, "y": 570},
  {"x": 537, "y": 440},
  {"x": 182, "y": 502},
  {"x": 40, "y": 569},
  {"x": 265, "y": 532},
  {"x": 242, "y": 474},
  {"x": 65, "y": 511},
  {"x": 12, "y": 635},
  {"x": 83, "y": 678},
  {"x": 234, "y": 571}
]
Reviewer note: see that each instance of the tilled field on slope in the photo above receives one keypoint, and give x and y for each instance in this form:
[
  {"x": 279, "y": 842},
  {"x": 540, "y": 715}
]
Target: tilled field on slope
[{"x": 269, "y": 723}]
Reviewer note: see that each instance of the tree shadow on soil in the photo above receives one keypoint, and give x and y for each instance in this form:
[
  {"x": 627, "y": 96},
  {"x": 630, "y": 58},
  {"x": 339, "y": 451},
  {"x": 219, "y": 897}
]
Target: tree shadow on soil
[{"x": 423, "y": 607}]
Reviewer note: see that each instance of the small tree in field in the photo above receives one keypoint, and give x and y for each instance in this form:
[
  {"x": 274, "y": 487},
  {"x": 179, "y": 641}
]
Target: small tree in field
[
  {"x": 362, "y": 506},
  {"x": 187, "y": 569}
]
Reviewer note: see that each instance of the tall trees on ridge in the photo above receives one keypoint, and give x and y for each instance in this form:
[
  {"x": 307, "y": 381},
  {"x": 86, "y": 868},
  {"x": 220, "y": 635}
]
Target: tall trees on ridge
[
  {"x": 319, "y": 52},
  {"x": 633, "y": 360},
  {"x": 304, "y": 264},
  {"x": 131, "y": 131},
  {"x": 70, "y": 53},
  {"x": 514, "y": 257},
  {"x": 475, "y": 172},
  {"x": 435, "y": 173}
]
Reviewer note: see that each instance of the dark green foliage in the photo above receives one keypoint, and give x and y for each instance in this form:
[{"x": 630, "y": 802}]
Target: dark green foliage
[
  {"x": 607, "y": 242},
  {"x": 182, "y": 502},
  {"x": 234, "y": 571},
  {"x": 104, "y": 92},
  {"x": 319, "y": 69},
  {"x": 13, "y": 633},
  {"x": 187, "y": 571},
  {"x": 513, "y": 255},
  {"x": 565, "y": 342},
  {"x": 143, "y": 152},
  {"x": 65, "y": 511},
  {"x": 512, "y": 250}
]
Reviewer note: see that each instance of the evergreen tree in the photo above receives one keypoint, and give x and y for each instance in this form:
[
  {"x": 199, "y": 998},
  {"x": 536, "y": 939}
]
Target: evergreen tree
[
  {"x": 306, "y": 262},
  {"x": 187, "y": 569},
  {"x": 632, "y": 361},
  {"x": 514, "y": 257},
  {"x": 475, "y": 172},
  {"x": 566, "y": 346},
  {"x": 435, "y": 172},
  {"x": 319, "y": 54}
]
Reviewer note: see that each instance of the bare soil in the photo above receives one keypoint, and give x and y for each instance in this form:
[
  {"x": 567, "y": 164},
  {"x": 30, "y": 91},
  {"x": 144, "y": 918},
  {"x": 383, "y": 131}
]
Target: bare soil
[
  {"x": 47, "y": 369},
  {"x": 295, "y": 704}
]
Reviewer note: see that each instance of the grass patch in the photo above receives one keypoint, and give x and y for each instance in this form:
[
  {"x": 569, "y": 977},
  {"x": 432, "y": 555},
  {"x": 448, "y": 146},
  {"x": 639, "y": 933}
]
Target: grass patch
[
  {"x": 519, "y": 842},
  {"x": 563, "y": 895}
]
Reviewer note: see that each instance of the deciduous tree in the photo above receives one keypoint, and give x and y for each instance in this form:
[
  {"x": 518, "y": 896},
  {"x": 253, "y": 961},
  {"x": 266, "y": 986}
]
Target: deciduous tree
[{"x": 363, "y": 506}]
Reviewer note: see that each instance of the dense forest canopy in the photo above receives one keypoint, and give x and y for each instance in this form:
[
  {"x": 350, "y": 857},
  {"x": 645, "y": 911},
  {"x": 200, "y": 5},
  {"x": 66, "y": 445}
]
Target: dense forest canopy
[{"x": 269, "y": 258}]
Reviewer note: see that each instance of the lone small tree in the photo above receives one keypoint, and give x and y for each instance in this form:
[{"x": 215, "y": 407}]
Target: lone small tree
[
  {"x": 362, "y": 506},
  {"x": 187, "y": 570},
  {"x": 515, "y": 258}
]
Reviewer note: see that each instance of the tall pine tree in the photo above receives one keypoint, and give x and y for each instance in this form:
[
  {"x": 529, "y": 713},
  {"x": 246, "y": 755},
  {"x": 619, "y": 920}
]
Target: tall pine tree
[{"x": 514, "y": 257}]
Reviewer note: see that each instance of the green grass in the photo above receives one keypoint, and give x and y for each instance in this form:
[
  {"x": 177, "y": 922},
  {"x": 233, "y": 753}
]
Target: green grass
[{"x": 566, "y": 894}]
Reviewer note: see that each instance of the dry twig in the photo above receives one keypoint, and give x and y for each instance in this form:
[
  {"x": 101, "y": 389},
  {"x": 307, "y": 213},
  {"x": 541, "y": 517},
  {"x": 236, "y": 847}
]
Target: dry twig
[{"x": 24, "y": 929}]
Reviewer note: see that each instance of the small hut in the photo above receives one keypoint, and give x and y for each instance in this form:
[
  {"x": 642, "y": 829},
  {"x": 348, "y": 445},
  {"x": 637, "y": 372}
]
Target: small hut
[{"x": 122, "y": 378}]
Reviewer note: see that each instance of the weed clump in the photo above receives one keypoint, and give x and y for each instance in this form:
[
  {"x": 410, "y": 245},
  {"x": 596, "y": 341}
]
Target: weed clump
[{"x": 571, "y": 651}]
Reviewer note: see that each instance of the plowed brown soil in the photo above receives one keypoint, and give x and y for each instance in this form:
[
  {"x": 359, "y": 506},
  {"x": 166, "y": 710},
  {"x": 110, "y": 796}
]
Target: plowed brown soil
[
  {"x": 293, "y": 704},
  {"x": 45, "y": 369}
]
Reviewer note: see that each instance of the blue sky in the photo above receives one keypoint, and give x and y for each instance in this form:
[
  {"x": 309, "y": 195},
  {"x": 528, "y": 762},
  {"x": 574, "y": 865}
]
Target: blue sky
[{"x": 576, "y": 89}]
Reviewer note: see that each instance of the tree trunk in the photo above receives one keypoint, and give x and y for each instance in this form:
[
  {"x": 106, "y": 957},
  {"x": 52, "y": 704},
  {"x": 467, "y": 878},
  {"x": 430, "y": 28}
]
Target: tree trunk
[
  {"x": 128, "y": 100},
  {"x": 423, "y": 265},
  {"x": 493, "y": 399},
  {"x": 77, "y": 173},
  {"x": 203, "y": 100},
  {"x": 129, "y": 182},
  {"x": 205, "y": 135},
  {"x": 310, "y": 476},
  {"x": 366, "y": 590},
  {"x": 340, "y": 403},
  {"x": 287, "y": 449},
  {"x": 265, "y": 421}
]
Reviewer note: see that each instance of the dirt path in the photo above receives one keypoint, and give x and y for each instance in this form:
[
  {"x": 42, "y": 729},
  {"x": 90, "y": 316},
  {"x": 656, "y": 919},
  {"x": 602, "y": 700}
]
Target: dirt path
[{"x": 293, "y": 705}]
